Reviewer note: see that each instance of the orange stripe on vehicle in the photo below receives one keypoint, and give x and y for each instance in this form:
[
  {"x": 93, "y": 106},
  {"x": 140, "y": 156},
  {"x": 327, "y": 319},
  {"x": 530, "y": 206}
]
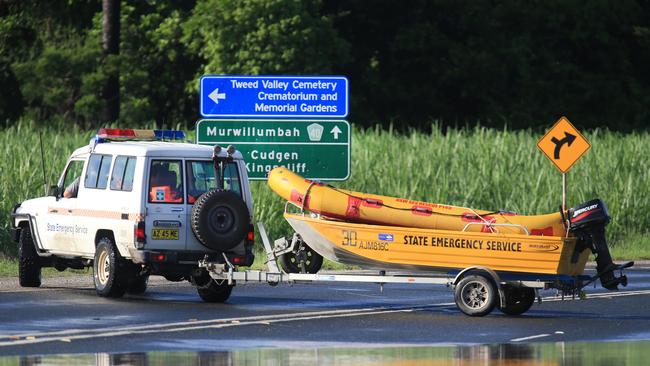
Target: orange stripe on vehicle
[{"x": 116, "y": 215}]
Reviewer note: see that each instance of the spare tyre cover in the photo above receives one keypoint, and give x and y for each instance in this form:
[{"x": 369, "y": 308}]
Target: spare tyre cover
[{"x": 219, "y": 219}]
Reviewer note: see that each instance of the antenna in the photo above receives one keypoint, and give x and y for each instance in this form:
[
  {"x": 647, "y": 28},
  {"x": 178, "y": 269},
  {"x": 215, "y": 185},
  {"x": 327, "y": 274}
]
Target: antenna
[{"x": 40, "y": 137}]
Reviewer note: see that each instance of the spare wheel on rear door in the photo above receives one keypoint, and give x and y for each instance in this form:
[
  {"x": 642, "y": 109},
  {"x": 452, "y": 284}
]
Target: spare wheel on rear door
[{"x": 220, "y": 219}]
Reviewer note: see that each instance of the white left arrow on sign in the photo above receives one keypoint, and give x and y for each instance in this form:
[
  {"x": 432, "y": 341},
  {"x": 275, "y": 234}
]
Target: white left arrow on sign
[{"x": 215, "y": 96}]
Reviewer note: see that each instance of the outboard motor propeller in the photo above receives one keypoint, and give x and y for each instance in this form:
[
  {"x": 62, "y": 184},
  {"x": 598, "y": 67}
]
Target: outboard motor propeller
[{"x": 587, "y": 221}]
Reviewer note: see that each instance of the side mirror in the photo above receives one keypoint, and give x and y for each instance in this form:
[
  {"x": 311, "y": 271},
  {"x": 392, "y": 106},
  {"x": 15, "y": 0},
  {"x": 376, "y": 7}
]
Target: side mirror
[{"x": 54, "y": 191}]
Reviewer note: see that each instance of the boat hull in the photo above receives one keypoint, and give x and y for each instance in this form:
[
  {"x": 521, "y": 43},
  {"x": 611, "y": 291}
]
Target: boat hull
[{"x": 406, "y": 248}]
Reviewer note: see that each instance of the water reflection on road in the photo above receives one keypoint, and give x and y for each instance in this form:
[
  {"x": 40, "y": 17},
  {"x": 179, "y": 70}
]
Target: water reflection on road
[{"x": 610, "y": 353}]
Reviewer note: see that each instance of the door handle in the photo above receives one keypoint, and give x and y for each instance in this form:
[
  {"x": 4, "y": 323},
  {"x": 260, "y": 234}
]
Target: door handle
[
  {"x": 180, "y": 209},
  {"x": 54, "y": 211}
]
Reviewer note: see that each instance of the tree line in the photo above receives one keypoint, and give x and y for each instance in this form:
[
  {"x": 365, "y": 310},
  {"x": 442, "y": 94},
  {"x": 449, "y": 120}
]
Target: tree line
[{"x": 457, "y": 62}]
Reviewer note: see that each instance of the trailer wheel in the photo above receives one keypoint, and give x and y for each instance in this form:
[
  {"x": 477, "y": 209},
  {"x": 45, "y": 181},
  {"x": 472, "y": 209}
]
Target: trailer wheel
[
  {"x": 476, "y": 295},
  {"x": 518, "y": 300},
  {"x": 304, "y": 260}
]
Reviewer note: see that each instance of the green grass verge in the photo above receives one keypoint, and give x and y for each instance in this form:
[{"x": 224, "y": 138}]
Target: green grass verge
[
  {"x": 9, "y": 268},
  {"x": 635, "y": 246},
  {"x": 482, "y": 168}
]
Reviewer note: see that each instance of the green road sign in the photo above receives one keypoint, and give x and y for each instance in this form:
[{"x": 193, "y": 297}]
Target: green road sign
[{"x": 317, "y": 149}]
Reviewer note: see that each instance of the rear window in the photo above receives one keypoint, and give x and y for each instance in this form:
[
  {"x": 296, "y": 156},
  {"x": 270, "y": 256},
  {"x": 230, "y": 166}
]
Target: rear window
[
  {"x": 166, "y": 181},
  {"x": 123, "y": 171},
  {"x": 97, "y": 173},
  {"x": 200, "y": 178}
]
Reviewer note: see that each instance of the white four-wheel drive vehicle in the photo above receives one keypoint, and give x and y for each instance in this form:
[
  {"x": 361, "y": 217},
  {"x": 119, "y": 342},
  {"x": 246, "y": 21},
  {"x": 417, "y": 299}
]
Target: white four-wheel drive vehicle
[{"x": 132, "y": 204}]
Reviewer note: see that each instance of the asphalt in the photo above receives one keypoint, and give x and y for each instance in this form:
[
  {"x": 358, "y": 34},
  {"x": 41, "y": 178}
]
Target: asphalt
[{"x": 66, "y": 316}]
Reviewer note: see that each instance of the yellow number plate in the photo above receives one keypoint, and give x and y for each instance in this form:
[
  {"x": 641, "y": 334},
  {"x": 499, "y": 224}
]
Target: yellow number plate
[{"x": 164, "y": 234}]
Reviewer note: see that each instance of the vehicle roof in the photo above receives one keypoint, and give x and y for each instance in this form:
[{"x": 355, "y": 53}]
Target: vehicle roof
[{"x": 154, "y": 148}]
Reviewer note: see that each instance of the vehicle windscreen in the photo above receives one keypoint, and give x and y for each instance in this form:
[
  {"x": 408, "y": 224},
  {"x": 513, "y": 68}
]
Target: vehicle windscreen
[{"x": 200, "y": 178}]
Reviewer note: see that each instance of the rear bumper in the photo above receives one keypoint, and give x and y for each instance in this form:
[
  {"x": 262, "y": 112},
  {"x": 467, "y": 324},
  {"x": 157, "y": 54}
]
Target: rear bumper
[{"x": 171, "y": 258}]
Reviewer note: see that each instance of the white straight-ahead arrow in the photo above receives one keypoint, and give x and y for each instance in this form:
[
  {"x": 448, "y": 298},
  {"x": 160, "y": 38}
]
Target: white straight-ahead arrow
[
  {"x": 215, "y": 96},
  {"x": 336, "y": 131}
]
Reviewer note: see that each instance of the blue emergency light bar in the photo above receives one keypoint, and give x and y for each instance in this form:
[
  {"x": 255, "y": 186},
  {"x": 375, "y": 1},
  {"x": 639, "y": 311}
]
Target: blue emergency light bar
[{"x": 169, "y": 135}]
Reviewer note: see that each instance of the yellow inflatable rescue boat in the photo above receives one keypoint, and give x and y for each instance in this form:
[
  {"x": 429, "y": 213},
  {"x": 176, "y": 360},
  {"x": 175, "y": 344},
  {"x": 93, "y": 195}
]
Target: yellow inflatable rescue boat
[{"x": 384, "y": 232}]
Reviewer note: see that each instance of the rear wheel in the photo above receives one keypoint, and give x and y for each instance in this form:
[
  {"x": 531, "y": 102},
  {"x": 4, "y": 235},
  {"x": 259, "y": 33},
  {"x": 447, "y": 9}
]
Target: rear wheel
[
  {"x": 215, "y": 292},
  {"x": 518, "y": 300},
  {"x": 29, "y": 266},
  {"x": 109, "y": 270},
  {"x": 138, "y": 284},
  {"x": 476, "y": 295}
]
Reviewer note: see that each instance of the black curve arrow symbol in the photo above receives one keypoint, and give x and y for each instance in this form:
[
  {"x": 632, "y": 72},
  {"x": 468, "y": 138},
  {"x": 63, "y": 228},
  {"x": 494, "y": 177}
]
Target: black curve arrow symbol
[{"x": 568, "y": 139}]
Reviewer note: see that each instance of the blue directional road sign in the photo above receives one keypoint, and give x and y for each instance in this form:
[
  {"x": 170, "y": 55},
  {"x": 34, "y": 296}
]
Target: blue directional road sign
[{"x": 234, "y": 96}]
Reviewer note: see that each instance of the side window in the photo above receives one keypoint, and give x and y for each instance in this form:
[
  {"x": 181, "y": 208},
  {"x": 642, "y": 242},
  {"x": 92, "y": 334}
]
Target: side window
[
  {"x": 200, "y": 178},
  {"x": 166, "y": 181},
  {"x": 71, "y": 178},
  {"x": 123, "y": 171},
  {"x": 97, "y": 172}
]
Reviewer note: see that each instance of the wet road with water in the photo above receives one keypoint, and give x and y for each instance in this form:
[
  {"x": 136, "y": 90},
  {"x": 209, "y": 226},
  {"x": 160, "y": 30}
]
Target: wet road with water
[{"x": 65, "y": 316}]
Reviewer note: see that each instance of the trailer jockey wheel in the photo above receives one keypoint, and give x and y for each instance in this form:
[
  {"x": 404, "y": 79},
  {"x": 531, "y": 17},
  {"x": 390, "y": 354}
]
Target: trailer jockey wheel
[
  {"x": 303, "y": 260},
  {"x": 518, "y": 300},
  {"x": 476, "y": 295}
]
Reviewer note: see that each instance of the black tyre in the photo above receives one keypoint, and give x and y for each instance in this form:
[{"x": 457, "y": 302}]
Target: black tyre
[
  {"x": 215, "y": 292},
  {"x": 137, "y": 284},
  {"x": 304, "y": 260},
  {"x": 29, "y": 266},
  {"x": 518, "y": 300},
  {"x": 476, "y": 295},
  {"x": 110, "y": 271},
  {"x": 220, "y": 219}
]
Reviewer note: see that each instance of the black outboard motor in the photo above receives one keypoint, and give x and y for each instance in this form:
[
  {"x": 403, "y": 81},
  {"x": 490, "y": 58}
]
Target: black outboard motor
[{"x": 587, "y": 221}]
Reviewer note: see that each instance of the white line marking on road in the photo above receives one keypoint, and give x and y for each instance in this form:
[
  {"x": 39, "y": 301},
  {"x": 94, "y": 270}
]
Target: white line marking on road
[
  {"x": 193, "y": 324},
  {"x": 599, "y": 295},
  {"x": 78, "y": 334},
  {"x": 529, "y": 337}
]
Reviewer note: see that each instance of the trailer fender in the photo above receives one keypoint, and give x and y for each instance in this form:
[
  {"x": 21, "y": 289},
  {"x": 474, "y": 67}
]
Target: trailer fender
[{"x": 487, "y": 272}]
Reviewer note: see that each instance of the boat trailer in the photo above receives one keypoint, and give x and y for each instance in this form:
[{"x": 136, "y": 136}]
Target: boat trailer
[{"x": 477, "y": 290}]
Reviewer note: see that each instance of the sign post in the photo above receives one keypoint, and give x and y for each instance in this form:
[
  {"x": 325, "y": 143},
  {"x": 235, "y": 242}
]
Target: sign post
[
  {"x": 315, "y": 149},
  {"x": 563, "y": 145}
]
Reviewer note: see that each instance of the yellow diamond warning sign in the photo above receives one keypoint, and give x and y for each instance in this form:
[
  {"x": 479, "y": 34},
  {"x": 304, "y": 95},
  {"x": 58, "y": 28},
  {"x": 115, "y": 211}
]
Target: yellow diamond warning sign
[{"x": 563, "y": 144}]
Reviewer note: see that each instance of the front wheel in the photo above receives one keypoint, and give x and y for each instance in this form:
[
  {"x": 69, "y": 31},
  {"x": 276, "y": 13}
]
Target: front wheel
[
  {"x": 29, "y": 266},
  {"x": 108, "y": 270},
  {"x": 476, "y": 295},
  {"x": 518, "y": 300}
]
